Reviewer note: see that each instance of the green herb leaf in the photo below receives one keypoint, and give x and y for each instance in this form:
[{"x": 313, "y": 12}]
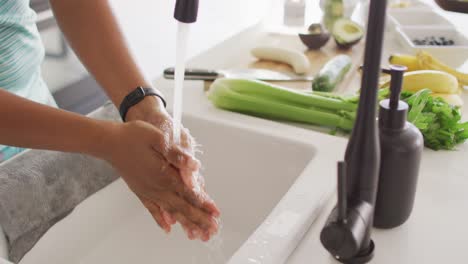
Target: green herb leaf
[{"x": 438, "y": 121}]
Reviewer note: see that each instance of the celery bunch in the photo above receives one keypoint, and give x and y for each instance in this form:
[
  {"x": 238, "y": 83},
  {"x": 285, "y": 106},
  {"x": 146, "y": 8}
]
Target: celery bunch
[
  {"x": 274, "y": 102},
  {"x": 438, "y": 121}
]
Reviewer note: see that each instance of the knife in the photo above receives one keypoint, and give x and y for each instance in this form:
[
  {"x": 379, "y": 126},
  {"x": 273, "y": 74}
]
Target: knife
[{"x": 258, "y": 74}]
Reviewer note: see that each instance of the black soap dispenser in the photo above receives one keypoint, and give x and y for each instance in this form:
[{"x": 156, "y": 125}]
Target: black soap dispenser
[{"x": 401, "y": 146}]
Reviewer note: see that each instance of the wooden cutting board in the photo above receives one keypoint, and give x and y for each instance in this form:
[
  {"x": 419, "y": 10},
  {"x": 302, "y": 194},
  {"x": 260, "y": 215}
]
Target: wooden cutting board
[{"x": 317, "y": 59}]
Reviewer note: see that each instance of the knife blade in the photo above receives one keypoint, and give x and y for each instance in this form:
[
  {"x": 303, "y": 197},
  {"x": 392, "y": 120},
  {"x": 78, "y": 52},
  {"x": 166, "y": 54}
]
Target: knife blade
[{"x": 258, "y": 74}]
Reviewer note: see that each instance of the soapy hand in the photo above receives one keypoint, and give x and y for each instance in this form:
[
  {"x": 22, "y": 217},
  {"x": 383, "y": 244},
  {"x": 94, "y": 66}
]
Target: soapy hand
[
  {"x": 181, "y": 158},
  {"x": 154, "y": 114},
  {"x": 139, "y": 152}
]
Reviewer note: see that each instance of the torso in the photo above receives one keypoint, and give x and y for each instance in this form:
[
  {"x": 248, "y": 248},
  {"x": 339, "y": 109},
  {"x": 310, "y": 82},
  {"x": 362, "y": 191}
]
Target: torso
[{"x": 21, "y": 55}]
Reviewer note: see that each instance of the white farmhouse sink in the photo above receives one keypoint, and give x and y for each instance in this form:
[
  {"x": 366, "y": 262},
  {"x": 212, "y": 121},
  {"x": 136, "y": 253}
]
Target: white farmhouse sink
[{"x": 247, "y": 172}]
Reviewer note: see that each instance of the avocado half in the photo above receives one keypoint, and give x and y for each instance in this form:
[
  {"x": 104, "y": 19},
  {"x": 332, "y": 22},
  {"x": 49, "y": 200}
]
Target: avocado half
[
  {"x": 347, "y": 33},
  {"x": 316, "y": 37}
]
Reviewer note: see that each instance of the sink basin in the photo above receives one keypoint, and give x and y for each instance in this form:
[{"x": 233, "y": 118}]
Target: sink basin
[{"x": 248, "y": 172}]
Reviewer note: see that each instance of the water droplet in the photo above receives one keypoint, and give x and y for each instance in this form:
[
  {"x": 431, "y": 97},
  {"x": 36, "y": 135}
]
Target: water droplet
[{"x": 214, "y": 247}]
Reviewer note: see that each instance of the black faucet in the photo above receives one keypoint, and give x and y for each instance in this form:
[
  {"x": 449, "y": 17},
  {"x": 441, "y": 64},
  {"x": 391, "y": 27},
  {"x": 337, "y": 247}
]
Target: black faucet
[
  {"x": 186, "y": 11},
  {"x": 347, "y": 232}
]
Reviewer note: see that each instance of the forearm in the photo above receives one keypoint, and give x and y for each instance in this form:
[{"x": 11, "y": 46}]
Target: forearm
[
  {"x": 94, "y": 34},
  {"x": 27, "y": 124}
]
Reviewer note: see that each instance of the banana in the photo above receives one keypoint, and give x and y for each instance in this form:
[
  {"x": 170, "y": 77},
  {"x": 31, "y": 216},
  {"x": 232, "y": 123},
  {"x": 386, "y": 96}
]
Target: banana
[
  {"x": 296, "y": 59},
  {"x": 427, "y": 61},
  {"x": 436, "y": 81},
  {"x": 411, "y": 62},
  {"x": 453, "y": 99}
]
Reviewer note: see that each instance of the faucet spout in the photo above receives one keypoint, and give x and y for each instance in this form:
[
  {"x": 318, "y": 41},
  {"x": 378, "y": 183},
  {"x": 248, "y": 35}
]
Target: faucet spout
[{"x": 186, "y": 11}]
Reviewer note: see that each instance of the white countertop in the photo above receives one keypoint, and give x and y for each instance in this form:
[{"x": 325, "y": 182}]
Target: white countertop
[{"x": 436, "y": 232}]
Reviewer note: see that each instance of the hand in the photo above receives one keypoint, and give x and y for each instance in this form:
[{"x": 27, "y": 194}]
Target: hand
[
  {"x": 152, "y": 110},
  {"x": 148, "y": 163}
]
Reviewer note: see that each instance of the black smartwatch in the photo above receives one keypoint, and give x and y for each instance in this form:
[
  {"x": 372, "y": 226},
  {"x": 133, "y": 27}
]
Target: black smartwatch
[{"x": 136, "y": 96}]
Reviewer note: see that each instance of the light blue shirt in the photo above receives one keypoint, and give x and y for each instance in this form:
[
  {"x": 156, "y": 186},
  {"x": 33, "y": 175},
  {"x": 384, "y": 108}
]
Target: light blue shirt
[{"x": 21, "y": 55}]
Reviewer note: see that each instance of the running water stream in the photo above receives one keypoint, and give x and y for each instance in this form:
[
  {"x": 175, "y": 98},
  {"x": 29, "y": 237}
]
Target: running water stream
[
  {"x": 214, "y": 246},
  {"x": 183, "y": 30}
]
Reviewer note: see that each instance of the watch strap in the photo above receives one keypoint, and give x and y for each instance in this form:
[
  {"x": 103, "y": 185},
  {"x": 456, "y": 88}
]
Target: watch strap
[{"x": 136, "y": 96}]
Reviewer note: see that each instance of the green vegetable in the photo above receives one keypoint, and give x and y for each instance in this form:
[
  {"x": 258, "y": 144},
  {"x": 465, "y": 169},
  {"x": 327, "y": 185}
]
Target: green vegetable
[
  {"x": 332, "y": 74},
  {"x": 439, "y": 122},
  {"x": 347, "y": 33},
  {"x": 270, "y": 101},
  {"x": 333, "y": 10}
]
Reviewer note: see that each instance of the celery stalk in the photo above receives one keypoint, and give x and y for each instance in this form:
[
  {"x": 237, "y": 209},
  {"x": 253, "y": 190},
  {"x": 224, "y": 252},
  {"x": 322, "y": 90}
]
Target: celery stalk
[
  {"x": 278, "y": 93},
  {"x": 269, "y": 101}
]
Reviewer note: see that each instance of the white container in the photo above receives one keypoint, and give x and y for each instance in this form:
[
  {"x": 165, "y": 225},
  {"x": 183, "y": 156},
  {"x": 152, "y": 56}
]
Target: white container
[
  {"x": 454, "y": 55},
  {"x": 294, "y": 13},
  {"x": 413, "y": 5},
  {"x": 418, "y": 18}
]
